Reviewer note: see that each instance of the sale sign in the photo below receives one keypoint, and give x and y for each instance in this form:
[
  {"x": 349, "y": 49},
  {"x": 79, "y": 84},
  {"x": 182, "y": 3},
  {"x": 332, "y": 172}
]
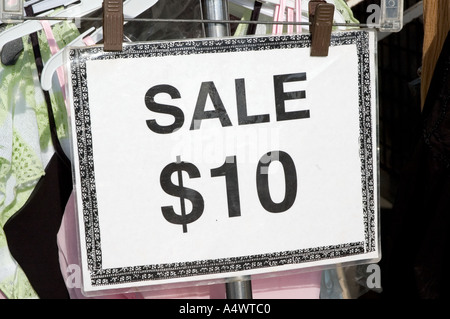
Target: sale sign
[{"x": 199, "y": 160}]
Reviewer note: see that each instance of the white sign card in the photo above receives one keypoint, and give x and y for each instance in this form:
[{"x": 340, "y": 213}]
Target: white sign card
[{"x": 206, "y": 159}]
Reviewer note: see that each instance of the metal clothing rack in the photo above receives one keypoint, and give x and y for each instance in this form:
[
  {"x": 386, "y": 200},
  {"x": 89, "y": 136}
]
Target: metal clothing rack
[{"x": 215, "y": 15}]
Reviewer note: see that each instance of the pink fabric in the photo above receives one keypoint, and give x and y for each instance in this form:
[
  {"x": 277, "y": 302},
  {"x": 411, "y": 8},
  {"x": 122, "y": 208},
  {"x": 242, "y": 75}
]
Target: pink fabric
[
  {"x": 88, "y": 41},
  {"x": 299, "y": 286},
  {"x": 279, "y": 16},
  {"x": 54, "y": 49},
  {"x": 293, "y": 14},
  {"x": 2, "y": 296},
  {"x": 298, "y": 14}
]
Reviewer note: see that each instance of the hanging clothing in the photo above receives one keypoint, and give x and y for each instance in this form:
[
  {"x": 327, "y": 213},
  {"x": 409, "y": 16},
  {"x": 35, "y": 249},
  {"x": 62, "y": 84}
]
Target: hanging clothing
[
  {"x": 415, "y": 260},
  {"x": 342, "y": 14},
  {"x": 20, "y": 161},
  {"x": 32, "y": 231},
  {"x": 26, "y": 147}
]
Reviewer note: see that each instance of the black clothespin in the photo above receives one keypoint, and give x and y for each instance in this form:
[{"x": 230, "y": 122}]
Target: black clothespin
[
  {"x": 113, "y": 25},
  {"x": 321, "y": 15}
]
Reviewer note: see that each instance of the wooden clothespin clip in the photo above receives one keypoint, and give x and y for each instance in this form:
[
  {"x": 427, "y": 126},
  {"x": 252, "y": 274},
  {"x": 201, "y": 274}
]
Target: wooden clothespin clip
[
  {"x": 321, "y": 15},
  {"x": 113, "y": 25}
]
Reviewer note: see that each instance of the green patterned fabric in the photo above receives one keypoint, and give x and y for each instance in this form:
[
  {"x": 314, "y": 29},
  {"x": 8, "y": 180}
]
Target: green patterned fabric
[
  {"x": 25, "y": 144},
  {"x": 21, "y": 166},
  {"x": 345, "y": 11}
]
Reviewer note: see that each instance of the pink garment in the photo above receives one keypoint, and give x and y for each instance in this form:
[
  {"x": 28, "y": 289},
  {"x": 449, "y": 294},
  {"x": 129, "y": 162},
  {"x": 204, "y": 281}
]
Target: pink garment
[
  {"x": 2, "y": 296},
  {"x": 54, "y": 49},
  {"x": 299, "y": 286}
]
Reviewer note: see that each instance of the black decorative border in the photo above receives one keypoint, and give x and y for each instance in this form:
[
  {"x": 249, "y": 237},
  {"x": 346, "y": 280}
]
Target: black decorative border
[{"x": 103, "y": 277}]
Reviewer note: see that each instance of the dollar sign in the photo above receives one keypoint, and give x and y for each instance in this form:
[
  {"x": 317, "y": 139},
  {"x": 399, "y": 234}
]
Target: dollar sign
[{"x": 183, "y": 193}]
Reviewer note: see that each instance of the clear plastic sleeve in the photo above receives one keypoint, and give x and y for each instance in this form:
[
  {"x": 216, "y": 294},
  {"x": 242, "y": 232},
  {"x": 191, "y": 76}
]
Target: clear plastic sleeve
[{"x": 326, "y": 256}]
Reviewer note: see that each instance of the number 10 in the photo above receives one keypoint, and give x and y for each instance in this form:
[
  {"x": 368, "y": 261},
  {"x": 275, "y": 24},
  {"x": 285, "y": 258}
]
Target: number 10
[{"x": 229, "y": 170}]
